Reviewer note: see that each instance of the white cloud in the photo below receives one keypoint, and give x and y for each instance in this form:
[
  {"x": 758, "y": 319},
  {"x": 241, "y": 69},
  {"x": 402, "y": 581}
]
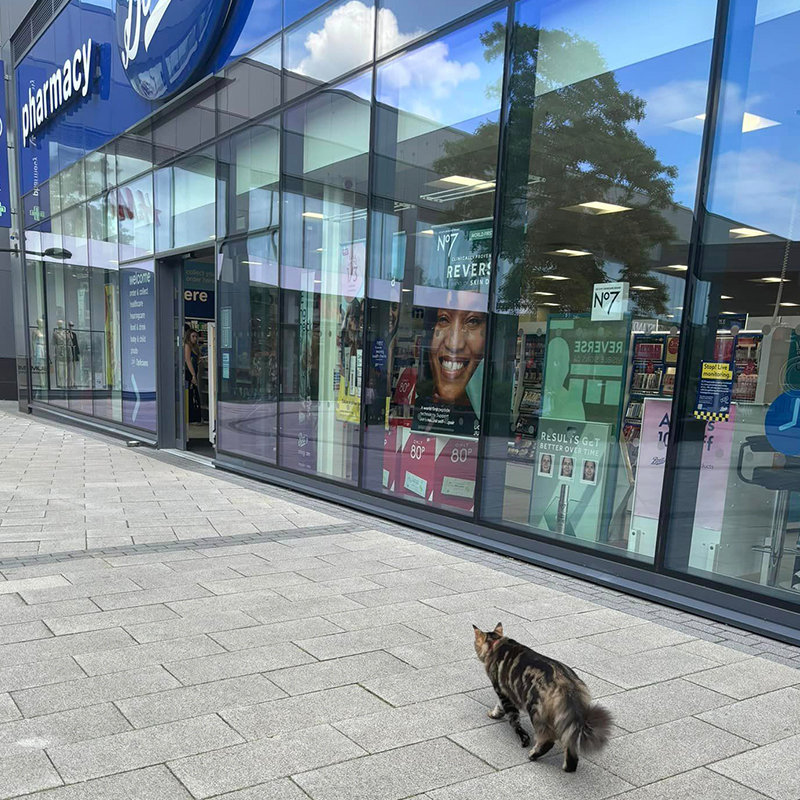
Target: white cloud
[
  {"x": 344, "y": 41},
  {"x": 758, "y": 188}
]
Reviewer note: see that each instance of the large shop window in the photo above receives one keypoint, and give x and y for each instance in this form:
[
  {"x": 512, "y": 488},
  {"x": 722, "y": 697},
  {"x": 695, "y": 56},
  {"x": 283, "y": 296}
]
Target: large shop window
[
  {"x": 323, "y": 254},
  {"x": 598, "y": 181},
  {"x": 738, "y": 478},
  {"x": 437, "y": 134},
  {"x": 248, "y": 340}
]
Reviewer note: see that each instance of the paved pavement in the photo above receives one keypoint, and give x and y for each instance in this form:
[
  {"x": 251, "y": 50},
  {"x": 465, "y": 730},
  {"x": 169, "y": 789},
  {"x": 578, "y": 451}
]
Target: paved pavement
[{"x": 170, "y": 631}]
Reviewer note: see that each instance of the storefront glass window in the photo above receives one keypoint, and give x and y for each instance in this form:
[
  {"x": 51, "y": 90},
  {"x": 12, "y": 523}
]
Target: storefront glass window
[
  {"x": 37, "y": 321},
  {"x": 249, "y": 168},
  {"x": 135, "y": 215},
  {"x": 599, "y": 180},
  {"x": 78, "y": 338},
  {"x": 134, "y": 153},
  {"x": 57, "y": 333},
  {"x": 434, "y": 176},
  {"x": 73, "y": 186},
  {"x": 336, "y": 40},
  {"x": 187, "y": 127},
  {"x": 185, "y": 202},
  {"x": 102, "y": 230},
  {"x": 96, "y": 167},
  {"x": 106, "y": 379},
  {"x": 251, "y": 87},
  {"x": 248, "y": 338},
  {"x": 737, "y": 473},
  {"x": 323, "y": 250},
  {"x": 402, "y": 21}
]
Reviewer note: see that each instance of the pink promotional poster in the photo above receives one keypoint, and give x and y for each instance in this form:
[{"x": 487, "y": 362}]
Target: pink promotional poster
[{"x": 715, "y": 465}]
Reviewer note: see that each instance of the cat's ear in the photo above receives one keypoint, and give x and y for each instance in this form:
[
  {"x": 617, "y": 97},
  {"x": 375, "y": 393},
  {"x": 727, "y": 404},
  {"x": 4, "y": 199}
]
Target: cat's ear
[
  {"x": 498, "y": 629},
  {"x": 480, "y": 636}
]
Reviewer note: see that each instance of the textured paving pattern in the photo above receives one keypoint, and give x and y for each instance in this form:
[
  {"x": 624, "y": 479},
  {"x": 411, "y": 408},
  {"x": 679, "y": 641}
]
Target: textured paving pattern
[{"x": 292, "y": 649}]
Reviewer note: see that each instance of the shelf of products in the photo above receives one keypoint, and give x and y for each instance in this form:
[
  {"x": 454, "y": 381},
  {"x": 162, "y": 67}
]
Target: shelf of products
[{"x": 528, "y": 375}]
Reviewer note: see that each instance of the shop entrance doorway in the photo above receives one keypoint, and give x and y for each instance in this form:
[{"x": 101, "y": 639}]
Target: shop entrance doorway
[{"x": 188, "y": 378}]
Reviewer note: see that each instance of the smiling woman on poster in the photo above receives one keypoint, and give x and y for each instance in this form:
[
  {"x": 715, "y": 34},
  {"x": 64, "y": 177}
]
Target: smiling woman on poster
[{"x": 448, "y": 395}]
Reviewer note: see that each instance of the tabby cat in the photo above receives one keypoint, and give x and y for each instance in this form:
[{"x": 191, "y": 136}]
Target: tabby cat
[{"x": 556, "y": 699}]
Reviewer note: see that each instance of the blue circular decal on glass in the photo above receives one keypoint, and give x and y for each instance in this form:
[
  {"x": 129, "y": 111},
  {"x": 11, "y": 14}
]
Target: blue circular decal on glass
[
  {"x": 162, "y": 43},
  {"x": 782, "y": 424}
]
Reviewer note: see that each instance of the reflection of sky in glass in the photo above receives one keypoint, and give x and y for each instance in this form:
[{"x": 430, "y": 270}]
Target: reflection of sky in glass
[
  {"x": 447, "y": 80},
  {"x": 756, "y": 168},
  {"x": 333, "y": 42}
]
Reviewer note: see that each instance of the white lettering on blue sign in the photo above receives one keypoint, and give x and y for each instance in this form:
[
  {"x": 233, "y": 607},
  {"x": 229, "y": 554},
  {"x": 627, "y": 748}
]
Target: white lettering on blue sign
[
  {"x": 133, "y": 36},
  {"x": 73, "y": 80}
]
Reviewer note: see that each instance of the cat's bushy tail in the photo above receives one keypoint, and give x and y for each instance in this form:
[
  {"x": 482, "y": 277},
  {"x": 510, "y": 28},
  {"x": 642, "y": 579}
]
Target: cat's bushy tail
[{"x": 588, "y": 730}]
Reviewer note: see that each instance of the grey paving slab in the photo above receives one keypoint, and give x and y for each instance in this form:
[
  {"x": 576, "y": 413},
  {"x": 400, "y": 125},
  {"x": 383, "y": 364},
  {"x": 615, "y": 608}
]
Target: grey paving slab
[
  {"x": 37, "y": 651},
  {"x": 110, "y": 619},
  {"x": 18, "y": 611},
  {"x": 257, "y": 762},
  {"x": 431, "y": 653},
  {"x": 336, "y": 645},
  {"x": 718, "y": 653},
  {"x": 696, "y": 783},
  {"x": 255, "y": 583},
  {"x": 146, "y": 655},
  {"x": 26, "y": 773},
  {"x": 382, "y": 596},
  {"x": 665, "y": 750},
  {"x": 88, "y": 691},
  {"x": 430, "y": 683},
  {"x": 8, "y": 709},
  {"x": 543, "y": 781},
  {"x": 151, "y": 783},
  {"x": 389, "y": 728},
  {"x": 651, "y": 666},
  {"x": 771, "y": 770},
  {"x": 747, "y": 678},
  {"x": 146, "y": 597},
  {"x": 362, "y": 668},
  {"x": 23, "y": 632},
  {"x": 71, "y": 591},
  {"x": 30, "y": 584},
  {"x": 241, "y": 662},
  {"x": 282, "y": 789},
  {"x": 244, "y": 638},
  {"x": 331, "y": 706},
  {"x": 141, "y": 748},
  {"x": 195, "y": 701},
  {"x": 25, "y": 676},
  {"x": 64, "y": 727},
  {"x": 189, "y": 626},
  {"x": 662, "y": 702},
  {"x": 393, "y": 775},
  {"x": 761, "y": 719},
  {"x": 638, "y": 638}
]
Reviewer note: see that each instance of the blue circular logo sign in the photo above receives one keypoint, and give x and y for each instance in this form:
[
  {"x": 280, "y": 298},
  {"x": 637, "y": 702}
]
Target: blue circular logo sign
[
  {"x": 162, "y": 43},
  {"x": 782, "y": 423}
]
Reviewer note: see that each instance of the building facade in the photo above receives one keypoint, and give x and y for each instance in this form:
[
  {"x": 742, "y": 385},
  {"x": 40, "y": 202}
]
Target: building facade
[{"x": 521, "y": 273}]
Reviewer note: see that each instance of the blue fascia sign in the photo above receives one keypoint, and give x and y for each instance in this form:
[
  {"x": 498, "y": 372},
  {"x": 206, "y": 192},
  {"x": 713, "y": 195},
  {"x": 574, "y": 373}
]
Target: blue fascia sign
[
  {"x": 163, "y": 43},
  {"x": 5, "y": 190}
]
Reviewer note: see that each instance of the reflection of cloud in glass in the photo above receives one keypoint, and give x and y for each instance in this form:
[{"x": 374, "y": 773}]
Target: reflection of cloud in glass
[
  {"x": 343, "y": 41},
  {"x": 757, "y": 187}
]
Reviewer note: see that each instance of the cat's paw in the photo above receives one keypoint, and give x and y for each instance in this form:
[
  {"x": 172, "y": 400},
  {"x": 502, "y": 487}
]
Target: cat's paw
[
  {"x": 525, "y": 740},
  {"x": 497, "y": 712}
]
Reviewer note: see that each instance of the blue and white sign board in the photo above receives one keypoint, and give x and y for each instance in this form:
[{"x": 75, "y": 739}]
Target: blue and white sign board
[
  {"x": 163, "y": 43},
  {"x": 782, "y": 423},
  {"x": 5, "y": 189}
]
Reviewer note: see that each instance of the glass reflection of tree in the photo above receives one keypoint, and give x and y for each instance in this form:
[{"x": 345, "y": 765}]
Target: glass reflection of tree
[{"x": 570, "y": 143}]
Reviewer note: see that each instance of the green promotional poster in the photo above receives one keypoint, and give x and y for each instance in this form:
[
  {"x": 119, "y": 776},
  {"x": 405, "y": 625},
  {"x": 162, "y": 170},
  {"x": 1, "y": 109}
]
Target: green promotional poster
[
  {"x": 584, "y": 370},
  {"x": 571, "y": 473}
]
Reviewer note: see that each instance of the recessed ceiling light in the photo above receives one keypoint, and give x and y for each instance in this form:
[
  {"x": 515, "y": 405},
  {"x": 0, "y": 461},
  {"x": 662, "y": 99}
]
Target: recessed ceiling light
[
  {"x": 771, "y": 280},
  {"x": 254, "y": 263},
  {"x": 317, "y": 280},
  {"x": 320, "y": 250},
  {"x": 645, "y": 288},
  {"x": 789, "y": 305},
  {"x": 747, "y": 233},
  {"x": 313, "y": 215},
  {"x": 428, "y": 232},
  {"x": 725, "y": 297},
  {"x": 545, "y": 294},
  {"x": 677, "y": 267},
  {"x": 597, "y": 208},
  {"x": 729, "y": 312},
  {"x": 752, "y": 122},
  {"x": 679, "y": 308},
  {"x": 554, "y": 305},
  {"x": 554, "y": 278},
  {"x": 460, "y": 180},
  {"x": 408, "y": 290},
  {"x": 569, "y": 251}
]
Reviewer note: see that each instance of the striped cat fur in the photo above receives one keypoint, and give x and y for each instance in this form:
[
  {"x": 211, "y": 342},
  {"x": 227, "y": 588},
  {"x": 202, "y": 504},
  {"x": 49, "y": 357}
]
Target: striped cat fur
[{"x": 557, "y": 700}]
